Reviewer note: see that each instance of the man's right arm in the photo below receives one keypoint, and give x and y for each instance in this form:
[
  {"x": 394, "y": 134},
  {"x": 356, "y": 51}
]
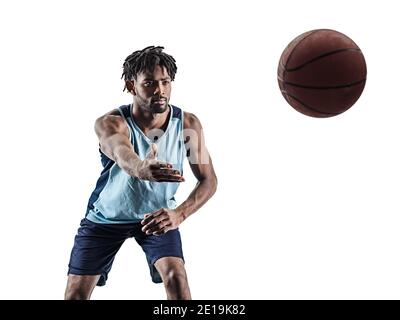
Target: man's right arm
[
  {"x": 114, "y": 141},
  {"x": 113, "y": 135}
]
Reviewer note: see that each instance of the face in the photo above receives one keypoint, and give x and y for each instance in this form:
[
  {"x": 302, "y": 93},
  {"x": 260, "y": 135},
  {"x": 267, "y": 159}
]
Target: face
[{"x": 152, "y": 91}]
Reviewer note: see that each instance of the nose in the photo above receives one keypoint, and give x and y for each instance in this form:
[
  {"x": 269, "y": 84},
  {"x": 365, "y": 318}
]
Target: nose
[{"x": 159, "y": 89}]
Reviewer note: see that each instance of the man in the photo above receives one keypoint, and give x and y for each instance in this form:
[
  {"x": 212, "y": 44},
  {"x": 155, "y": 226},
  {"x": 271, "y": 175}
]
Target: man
[{"x": 142, "y": 149}]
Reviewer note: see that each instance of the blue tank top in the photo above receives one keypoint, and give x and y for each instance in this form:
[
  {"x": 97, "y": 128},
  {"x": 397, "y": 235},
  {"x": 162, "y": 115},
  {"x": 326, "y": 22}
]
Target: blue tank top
[{"x": 121, "y": 198}]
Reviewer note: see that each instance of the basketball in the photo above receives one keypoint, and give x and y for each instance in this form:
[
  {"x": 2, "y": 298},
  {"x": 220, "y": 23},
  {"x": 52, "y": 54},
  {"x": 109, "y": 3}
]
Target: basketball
[{"x": 322, "y": 73}]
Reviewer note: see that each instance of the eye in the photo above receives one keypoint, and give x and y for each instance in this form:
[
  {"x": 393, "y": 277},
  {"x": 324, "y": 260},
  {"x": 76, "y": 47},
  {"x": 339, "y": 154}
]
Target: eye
[
  {"x": 166, "y": 82},
  {"x": 148, "y": 83}
]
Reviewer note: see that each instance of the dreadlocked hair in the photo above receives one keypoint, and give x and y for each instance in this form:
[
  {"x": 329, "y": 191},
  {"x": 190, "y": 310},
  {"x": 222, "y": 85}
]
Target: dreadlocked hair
[{"x": 145, "y": 61}]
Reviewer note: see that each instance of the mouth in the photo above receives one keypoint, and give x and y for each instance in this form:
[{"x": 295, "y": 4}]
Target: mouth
[{"x": 159, "y": 101}]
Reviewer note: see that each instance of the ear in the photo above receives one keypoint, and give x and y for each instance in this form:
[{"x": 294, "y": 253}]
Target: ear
[{"x": 130, "y": 86}]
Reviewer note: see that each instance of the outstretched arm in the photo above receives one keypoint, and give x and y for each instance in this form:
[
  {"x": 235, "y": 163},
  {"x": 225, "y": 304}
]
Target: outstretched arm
[
  {"x": 113, "y": 135},
  {"x": 163, "y": 220}
]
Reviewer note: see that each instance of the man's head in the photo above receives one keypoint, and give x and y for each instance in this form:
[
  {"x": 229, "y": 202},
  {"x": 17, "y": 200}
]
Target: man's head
[{"x": 148, "y": 74}]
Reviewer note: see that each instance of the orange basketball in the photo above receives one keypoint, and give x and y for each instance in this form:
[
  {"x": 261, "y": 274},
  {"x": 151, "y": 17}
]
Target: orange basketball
[{"x": 322, "y": 73}]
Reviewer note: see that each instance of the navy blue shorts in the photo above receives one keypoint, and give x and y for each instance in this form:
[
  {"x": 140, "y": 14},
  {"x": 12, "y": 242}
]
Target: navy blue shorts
[{"x": 96, "y": 245}]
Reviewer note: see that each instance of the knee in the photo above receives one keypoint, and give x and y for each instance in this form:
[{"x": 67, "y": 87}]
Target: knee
[
  {"x": 80, "y": 287},
  {"x": 175, "y": 277},
  {"x": 76, "y": 293}
]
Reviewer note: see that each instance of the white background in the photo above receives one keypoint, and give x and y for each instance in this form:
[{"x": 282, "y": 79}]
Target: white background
[{"x": 306, "y": 208}]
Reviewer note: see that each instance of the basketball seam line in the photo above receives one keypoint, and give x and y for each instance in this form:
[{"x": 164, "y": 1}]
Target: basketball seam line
[
  {"x": 325, "y": 87},
  {"x": 307, "y": 106},
  {"x": 320, "y": 57},
  {"x": 291, "y": 53}
]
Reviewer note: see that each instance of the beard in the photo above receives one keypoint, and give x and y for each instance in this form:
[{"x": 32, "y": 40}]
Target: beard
[
  {"x": 154, "y": 105},
  {"x": 157, "y": 107}
]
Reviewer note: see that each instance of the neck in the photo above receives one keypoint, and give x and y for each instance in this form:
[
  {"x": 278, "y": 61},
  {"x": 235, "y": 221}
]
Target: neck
[{"x": 147, "y": 120}]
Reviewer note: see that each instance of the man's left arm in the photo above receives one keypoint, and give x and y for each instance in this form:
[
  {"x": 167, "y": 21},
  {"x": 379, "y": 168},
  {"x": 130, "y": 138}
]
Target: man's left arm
[{"x": 163, "y": 220}]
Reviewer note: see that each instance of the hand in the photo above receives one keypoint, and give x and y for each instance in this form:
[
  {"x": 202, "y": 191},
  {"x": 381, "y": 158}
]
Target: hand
[
  {"x": 153, "y": 170},
  {"x": 160, "y": 221}
]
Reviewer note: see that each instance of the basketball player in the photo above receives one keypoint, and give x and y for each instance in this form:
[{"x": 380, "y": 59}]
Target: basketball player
[{"x": 142, "y": 147}]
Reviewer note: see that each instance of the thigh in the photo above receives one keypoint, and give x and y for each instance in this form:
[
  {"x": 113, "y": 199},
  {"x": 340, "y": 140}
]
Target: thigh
[
  {"x": 157, "y": 247},
  {"x": 95, "y": 248}
]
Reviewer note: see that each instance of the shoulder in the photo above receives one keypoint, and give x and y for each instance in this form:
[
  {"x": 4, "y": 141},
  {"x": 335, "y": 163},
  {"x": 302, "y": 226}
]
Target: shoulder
[
  {"x": 111, "y": 120},
  {"x": 191, "y": 121}
]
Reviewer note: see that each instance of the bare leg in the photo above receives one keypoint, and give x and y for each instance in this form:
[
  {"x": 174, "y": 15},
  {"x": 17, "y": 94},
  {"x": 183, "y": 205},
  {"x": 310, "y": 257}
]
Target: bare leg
[
  {"x": 173, "y": 274},
  {"x": 80, "y": 287}
]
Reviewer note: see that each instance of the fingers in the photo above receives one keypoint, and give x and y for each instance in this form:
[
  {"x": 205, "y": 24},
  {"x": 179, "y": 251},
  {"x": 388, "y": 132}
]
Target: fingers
[
  {"x": 160, "y": 165},
  {"x": 149, "y": 216},
  {"x": 159, "y": 228},
  {"x": 166, "y": 171},
  {"x": 167, "y": 175},
  {"x": 169, "y": 180},
  {"x": 146, "y": 219},
  {"x": 157, "y": 225},
  {"x": 163, "y": 172}
]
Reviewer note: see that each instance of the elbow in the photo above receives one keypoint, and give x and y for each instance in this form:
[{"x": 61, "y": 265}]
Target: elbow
[
  {"x": 213, "y": 185},
  {"x": 209, "y": 183}
]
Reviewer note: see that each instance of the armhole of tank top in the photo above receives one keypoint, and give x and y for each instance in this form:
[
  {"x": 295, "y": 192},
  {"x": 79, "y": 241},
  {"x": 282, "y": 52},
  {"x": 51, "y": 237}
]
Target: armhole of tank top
[
  {"x": 182, "y": 120},
  {"x": 184, "y": 151},
  {"x": 126, "y": 121}
]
